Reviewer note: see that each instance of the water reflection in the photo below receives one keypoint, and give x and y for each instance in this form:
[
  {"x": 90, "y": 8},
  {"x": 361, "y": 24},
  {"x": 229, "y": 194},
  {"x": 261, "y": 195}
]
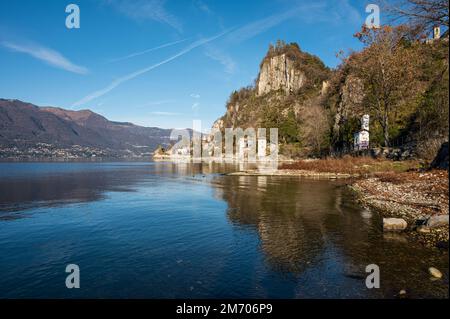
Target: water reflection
[
  {"x": 292, "y": 218},
  {"x": 29, "y": 185},
  {"x": 286, "y": 236},
  {"x": 51, "y": 188},
  {"x": 303, "y": 224}
]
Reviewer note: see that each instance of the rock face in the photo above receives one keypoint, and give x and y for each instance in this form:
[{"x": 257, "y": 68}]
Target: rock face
[
  {"x": 218, "y": 125},
  {"x": 277, "y": 73},
  {"x": 441, "y": 160},
  {"x": 289, "y": 91},
  {"x": 394, "y": 224},
  {"x": 351, "y": 95}
]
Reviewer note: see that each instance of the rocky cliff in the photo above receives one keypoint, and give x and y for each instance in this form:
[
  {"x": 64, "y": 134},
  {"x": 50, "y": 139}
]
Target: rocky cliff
[
  {"x": 279, "y": 73},
  {"x": 289, "y": 89},
  {"x": 317, "y": 110}
]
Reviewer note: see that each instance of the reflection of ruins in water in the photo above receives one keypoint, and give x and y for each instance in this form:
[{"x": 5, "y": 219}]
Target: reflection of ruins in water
[{"x": 310, "y": 232}]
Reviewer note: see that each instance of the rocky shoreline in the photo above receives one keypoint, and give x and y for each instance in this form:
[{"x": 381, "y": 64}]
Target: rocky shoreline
[
  {"x": 299, "y": 173},
  {"x": 420, "y": 199}
]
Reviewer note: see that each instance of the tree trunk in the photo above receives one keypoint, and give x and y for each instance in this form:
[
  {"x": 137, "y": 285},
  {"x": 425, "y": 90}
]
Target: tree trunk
[{"x": 386, "y": 132}]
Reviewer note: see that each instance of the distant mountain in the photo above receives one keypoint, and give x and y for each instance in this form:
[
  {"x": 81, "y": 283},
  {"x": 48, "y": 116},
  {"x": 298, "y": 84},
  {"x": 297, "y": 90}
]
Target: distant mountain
[{"x": 27, "y": 130}]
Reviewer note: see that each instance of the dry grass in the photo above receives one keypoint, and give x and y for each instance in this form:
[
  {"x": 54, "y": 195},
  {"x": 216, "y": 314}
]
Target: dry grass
[
  {"x": 352, "y": 165},
  {"x": 433, "y": 182},
  {"x": 391, "y": 177}
]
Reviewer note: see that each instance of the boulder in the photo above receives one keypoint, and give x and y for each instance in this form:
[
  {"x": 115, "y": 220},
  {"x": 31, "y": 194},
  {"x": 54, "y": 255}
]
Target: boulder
[
  {"x": 423, "y": 229},
  {"x": 437, "y": 221},
  {"x": 394, "y": 224},
  {"x": 435, "y": 272},
  {"x": 375, "y": 152},
  {"x": 403, "y": 153},
  {"x": 441, "y": 159}
]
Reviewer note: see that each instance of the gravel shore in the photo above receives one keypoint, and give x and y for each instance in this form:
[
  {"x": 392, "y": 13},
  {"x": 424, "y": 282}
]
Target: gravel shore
[
  {"x": 413, "y": 196},
  {"x": 293, "y": 172}
]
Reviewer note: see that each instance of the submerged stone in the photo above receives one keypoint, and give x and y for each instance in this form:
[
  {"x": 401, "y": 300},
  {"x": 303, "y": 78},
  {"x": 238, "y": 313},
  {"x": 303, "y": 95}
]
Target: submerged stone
[
  {"x": 435, "y": 272},
  {"x": 394, "y": 224}
]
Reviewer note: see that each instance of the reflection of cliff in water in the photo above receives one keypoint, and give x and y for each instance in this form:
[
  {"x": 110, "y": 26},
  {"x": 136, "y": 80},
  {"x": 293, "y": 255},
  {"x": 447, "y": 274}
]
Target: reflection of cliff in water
[
  {"x": 307, "y": 224},
  {"x": 295, "y": 220}
]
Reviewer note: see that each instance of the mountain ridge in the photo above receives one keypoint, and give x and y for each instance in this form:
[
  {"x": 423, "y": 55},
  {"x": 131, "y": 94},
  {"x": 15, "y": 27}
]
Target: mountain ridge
[{"x": 25, "y": 128}]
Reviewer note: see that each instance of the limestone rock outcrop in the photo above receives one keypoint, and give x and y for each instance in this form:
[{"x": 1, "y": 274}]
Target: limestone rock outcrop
[
  {"x": 277, "y": 73},
  {"x": 351, "y": 96}
]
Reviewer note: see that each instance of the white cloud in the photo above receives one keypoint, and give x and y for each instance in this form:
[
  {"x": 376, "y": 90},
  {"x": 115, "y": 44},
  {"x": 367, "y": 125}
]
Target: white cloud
[
  {"x": 345, "y": 11},
  {"x": 252, "y": 29},
  {"x": 202, "y": 6},
  {"x": 318, "y": 12},
  {"x": 133, "y": 75},
  {"x": 147, "y": 9},
  {"x": 222, "y": 58},
  {"x": 195, "y": 95},
  {"x": 47, "y": 55}
]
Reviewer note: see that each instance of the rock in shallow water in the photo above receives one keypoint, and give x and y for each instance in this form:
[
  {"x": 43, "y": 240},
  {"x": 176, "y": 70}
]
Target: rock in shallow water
[
  {"x": 435, "y": 272},
  {"x": 394, "y": 224},
  {"x": 424, "y": 229}
]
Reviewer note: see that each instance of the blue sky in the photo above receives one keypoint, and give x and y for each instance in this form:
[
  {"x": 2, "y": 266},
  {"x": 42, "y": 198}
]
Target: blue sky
[{"x": 155, "y": 62}]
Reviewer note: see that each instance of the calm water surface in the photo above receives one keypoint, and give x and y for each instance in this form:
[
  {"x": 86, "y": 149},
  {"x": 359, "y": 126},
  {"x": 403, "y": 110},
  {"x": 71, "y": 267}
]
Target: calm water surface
[{"x": 164, "y": 230}]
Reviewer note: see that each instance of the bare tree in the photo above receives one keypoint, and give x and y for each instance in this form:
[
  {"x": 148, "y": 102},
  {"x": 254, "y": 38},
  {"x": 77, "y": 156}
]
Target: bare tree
[
  {"x": 422, "y": 14},
  {"x": 388, "y": 70},
  {"x": 314, "y": 128}
]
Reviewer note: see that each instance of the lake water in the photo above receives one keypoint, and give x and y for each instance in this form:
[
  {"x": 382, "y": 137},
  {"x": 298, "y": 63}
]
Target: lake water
[{"x": 164, "y": 230}]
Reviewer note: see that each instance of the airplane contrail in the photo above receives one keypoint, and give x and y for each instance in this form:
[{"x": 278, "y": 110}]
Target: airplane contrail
[
  {"x": 133, "y": 75},
  {"x": 132, "y": 55}
]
